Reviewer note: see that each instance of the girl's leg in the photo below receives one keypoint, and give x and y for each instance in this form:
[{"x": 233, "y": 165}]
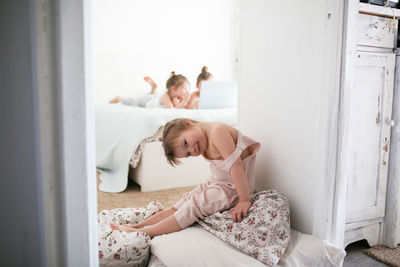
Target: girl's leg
[
  {"x": 149, "y": 221},
  {"x": 166, "y": 226},
  {"x": 159, "y": 216},
  {"x": 152, "y": 83}
]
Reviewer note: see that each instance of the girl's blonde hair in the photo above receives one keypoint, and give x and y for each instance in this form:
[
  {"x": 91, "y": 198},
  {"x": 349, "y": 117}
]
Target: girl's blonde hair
[
  {"x": 175, "y": 80},
  {"x": 172, "y": 130},
  {"x": 203, "y": 76}
]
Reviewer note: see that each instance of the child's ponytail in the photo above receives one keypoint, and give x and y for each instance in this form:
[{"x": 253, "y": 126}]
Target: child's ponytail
[
  {"x": 175, "y": 80},
  {"x": 203, "y": 76}
]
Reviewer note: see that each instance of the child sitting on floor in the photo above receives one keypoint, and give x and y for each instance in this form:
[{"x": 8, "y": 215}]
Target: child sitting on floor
[
  {"x": 177, "y": 95},
  {"x": 232, "y": 157}
]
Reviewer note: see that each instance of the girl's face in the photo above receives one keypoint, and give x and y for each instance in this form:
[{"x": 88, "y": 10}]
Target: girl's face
[
  {"x": 191, "y": 143},
  {"x": 179, "y": 91}
]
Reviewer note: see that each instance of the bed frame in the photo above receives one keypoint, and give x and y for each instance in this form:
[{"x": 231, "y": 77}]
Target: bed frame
[{"x": 154, "y": 173}]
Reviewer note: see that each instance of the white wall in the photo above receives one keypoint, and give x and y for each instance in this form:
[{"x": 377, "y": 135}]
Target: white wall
[
  {"x": 132, "y": 39},
  {"x": 290, "y": 65}
]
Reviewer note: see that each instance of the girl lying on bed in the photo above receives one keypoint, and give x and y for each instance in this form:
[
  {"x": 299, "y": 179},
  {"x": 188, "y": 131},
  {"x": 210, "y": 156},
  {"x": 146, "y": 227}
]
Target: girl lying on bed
[
  {"x": 195, "y": 96},
  {"x": 232, "y": 157},
  {"x": 177, "y": 95}
]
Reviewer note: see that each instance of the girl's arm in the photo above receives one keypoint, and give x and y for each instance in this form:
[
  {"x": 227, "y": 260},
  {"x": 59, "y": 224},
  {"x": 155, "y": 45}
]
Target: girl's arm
[
  {"x": 193, "y": 101},
  {"x": 169, "y": 103},
  {"x": 183, "y": 102},
  {"x": 239, "y": 177},
  {"x": 166, "y": 101},
  {"x": 226, "y": 146}
]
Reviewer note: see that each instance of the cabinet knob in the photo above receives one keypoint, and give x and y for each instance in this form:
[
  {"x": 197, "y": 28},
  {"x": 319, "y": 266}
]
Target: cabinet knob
[{"x": 389, "y": 122}]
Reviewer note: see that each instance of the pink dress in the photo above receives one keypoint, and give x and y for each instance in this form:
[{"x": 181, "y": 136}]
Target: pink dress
[{"x": 218, "y": 192}]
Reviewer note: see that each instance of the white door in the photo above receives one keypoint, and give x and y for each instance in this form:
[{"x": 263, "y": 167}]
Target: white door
[{"x": 370, "y": 114}]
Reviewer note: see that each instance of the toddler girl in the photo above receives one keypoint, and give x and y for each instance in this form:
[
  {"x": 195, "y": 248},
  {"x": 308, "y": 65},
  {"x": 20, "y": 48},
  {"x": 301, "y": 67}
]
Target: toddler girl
[
  {"x": 177, "y": 95},
  {"x": 195, "y": 96},
  {"x": 232, "y": 157}
]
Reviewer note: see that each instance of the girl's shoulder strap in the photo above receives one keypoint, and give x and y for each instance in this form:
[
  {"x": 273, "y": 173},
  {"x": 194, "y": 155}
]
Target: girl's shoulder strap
[{"x": 242, "y": 143}]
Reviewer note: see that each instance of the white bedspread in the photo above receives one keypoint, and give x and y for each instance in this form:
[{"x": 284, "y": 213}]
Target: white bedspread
[{"x": 120, "y": 129}]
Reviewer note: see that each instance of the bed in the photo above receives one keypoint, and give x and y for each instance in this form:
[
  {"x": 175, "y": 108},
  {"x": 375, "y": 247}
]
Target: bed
[
  {"x": 191, "y": 172},
  {"x": 121, "y": 130}
]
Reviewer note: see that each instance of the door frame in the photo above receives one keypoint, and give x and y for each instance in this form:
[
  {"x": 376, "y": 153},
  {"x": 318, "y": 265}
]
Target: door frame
[{"x": 60, "y": 44}]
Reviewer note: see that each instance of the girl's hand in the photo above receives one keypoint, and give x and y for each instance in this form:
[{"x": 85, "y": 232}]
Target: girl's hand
[
  {"x": 240, "y": 209},
  {"x": 176, "y": 101},
  {"x": 116, "y": 99},
  {"x": 186, "y": 96}
]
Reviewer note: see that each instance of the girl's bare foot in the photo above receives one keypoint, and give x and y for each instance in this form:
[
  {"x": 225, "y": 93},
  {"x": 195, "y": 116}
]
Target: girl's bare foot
[
  {"x": 122, "y": 228},
  {"x": 152, "y": 83},
  {"x": 116, "y": 99}
]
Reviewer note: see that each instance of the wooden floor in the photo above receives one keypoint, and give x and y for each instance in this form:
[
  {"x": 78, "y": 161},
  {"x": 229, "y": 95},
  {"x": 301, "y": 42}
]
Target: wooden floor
[{"x": 132, "y": 197}]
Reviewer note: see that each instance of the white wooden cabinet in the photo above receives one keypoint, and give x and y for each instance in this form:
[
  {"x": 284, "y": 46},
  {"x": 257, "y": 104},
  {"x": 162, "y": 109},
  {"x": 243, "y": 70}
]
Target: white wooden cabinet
[
  {"x": 368, "y": 104},
  {"x": 369, "y": 128},
  {"x": 324, "y": 113}
]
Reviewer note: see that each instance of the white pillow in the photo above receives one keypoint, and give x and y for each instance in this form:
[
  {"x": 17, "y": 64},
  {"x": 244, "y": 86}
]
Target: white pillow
[{"x": 194, "y": 247}]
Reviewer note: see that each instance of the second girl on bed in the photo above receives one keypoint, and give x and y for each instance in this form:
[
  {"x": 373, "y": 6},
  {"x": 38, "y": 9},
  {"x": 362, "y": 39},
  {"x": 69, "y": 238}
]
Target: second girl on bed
[
  {"x": 177, "y": 95},
  {"x": 195, "y": 96}
]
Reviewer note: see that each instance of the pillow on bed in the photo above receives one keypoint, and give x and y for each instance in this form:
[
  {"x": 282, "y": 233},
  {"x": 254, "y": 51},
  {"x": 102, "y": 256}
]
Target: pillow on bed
[{"x": 119, "y": 248}]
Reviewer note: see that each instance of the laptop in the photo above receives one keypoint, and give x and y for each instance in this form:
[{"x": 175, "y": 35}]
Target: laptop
[{"x": 215, "y": 95}]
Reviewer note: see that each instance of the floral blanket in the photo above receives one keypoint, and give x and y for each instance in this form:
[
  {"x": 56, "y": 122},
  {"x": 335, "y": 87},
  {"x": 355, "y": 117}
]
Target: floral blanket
[
  {"x": 134, "y": 162},
  {"x": 118, "y": 248},
  {"x": 264, "y": 234}
]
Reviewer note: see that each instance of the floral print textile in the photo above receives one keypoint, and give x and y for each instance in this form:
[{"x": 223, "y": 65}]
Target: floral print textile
[
  {"x": 119, "y": 248},
  {"x": 134, "y": 162},
  {"x": 264, "y": 234}
]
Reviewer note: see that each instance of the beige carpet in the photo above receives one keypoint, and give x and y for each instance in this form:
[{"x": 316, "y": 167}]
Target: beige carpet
[
  {"x": 384, "y": 254},
  {"x": 132, "y": 197}
]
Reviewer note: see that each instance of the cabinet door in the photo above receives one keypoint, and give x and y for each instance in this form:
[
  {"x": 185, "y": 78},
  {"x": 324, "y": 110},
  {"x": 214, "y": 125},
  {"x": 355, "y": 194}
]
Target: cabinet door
[{"x": 370, "y": 110}]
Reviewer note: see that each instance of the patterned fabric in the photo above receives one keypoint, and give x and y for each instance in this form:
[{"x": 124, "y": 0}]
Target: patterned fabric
[
  {"x": 139, "y": 150},
  {"x": 264, "y": 234},
  {"x": 119, "y": 248}
]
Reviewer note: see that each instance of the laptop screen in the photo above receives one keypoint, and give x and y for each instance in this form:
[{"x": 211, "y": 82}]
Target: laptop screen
[{"x": 218, "y": 95}]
